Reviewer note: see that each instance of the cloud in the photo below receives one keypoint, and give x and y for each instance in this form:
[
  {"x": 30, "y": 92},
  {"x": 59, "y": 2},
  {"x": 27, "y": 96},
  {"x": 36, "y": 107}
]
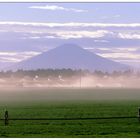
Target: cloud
[
  {"x": 126, "y": 58},
  {"x": 8, "y": 53},
  {"x": 31, "y": 30},
  {"x": 70, "y": 24},
  {"x": 102, "y": 41},
  {"x": 133, "y": 62},
  {"x": 81, "y": 34},
  {"x": 39, "y": 37},
  {"x": 16, "y": 56},
  {"x": 33, "y": 37},
  {"x": 129, "y": 36},
  {"x": 69, "y": 35},
  {"x": 76, "y": 34},
  {"x": 128, "y": 49},
  {"x": 55, "y": 7},
  {"x": 9, "y": 59},
  {"x": 120, "y": 55}
]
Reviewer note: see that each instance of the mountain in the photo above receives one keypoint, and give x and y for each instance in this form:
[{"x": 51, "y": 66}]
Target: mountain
[{"x": 70, "y": 56}]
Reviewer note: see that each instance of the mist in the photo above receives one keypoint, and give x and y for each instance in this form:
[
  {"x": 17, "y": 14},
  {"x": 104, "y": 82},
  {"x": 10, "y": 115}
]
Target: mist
[
  {"x": 74, "y": 81},
  {"x": 77, "y": 87}
]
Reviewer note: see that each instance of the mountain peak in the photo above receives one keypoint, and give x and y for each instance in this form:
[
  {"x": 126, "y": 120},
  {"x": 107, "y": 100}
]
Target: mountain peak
[{"x": 69, "y": 47}]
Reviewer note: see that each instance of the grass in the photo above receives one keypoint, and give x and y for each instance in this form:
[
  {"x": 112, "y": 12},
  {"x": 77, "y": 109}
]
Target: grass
[{"x": 94, "y": 105}]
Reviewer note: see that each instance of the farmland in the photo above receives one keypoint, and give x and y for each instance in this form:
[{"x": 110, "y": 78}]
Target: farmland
[{"x": 70, "y": 103}]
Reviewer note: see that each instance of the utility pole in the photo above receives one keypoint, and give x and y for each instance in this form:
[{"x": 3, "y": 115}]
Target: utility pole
[
  {"x": 139, "y": 114},
  {"x": 6, "y": 118}
]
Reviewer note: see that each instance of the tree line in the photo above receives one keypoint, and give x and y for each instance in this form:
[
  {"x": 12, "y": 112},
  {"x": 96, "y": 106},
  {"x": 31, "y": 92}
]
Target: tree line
[{"x": 64, "y": 73}]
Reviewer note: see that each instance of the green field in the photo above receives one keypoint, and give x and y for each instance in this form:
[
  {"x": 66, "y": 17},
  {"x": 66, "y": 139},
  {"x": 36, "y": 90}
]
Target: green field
[{"x": 70, "y": 103}]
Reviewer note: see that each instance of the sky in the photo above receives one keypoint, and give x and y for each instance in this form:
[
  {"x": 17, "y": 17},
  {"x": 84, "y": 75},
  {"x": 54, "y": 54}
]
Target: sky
[{"x": 111, "y": 30}]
